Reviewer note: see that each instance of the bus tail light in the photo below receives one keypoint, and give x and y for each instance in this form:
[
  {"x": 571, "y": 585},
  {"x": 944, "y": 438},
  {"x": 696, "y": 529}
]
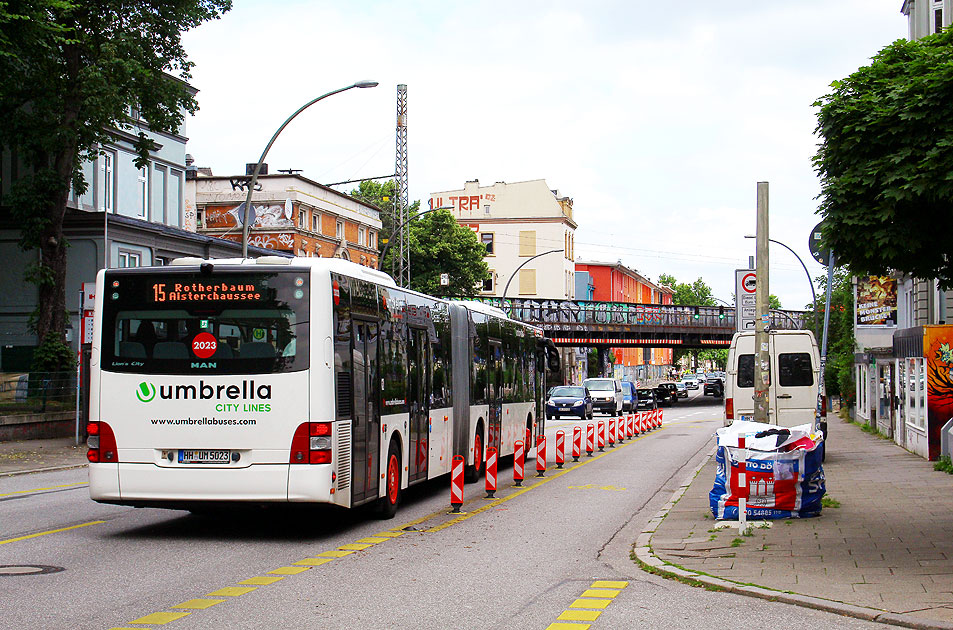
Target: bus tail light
[
  {"x": 729, "y": 408},
  {"x": 101, "y": 443},
  {"x": 311, "y": 443}
]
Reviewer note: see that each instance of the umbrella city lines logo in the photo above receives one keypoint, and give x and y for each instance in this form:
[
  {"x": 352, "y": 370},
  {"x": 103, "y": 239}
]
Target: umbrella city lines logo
[{"x": 145, "y": 392}]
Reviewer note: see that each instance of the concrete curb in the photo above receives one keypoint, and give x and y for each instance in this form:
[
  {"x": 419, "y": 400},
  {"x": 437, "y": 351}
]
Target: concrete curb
[
  {"x": 16, "y": 473},
  {"x": 646, "y": 558}
]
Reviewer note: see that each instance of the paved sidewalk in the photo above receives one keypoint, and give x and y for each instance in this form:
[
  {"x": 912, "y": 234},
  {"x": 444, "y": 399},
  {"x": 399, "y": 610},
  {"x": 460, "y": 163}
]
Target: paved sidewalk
[
  {"x": 23, "y": 456},
  {"x": 886, "y": 553}
]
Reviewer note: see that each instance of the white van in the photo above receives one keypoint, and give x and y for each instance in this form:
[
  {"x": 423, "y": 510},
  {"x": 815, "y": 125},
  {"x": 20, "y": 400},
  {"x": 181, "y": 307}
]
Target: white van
[
  {"x": 606, "y": 394},
  {"x": 795, "y": 374}
]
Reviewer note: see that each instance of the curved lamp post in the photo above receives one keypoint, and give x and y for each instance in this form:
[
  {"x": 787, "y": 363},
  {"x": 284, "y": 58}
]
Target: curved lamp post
[
  {"x": 393, "y": 233},
  {"x": 512, "y": 275},
  {"x": 254, "y": 177},
  {"x": 806, "y": 272}
]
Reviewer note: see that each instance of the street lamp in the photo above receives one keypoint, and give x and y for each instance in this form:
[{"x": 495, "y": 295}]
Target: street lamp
[
  {"x": 512, "y": 275},
  {"x": 393, "y": 233},
  {"x": 809, "y": 281},
  {"x": 254, "y": 177}
]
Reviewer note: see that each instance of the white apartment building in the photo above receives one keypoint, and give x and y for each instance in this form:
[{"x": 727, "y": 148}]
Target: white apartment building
[
  {"x": 926, "y": 17},
  {"x": 528, "y": 230}
]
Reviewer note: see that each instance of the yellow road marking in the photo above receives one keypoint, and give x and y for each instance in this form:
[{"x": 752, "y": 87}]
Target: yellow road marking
[
  {"x": 592, "y": 486},
  {"x": 289, "y": 570},
  {"x": 594, "y": 604},
  {"x": 608, "y": 584},
  {"x": 389, "y": 534},
  {"x": 160, "y": 618},
  {"x": 579, "y": 615},
  {"x": 52, "y": 531},
  {"x": 313, "y": 562},
  {"x": 601, "y": 592},
  {"x": 373, "y": 540},
  {"x": 261, "y": 580},
  {"x": 354, "y": 547},
  {"x": 568, "y": 626},
  {"x": 67, "y": 485},
  {"x": 335, "y": 553},
  {"x": 232, "y": 591},
  {"x": 199, "y": 604}
]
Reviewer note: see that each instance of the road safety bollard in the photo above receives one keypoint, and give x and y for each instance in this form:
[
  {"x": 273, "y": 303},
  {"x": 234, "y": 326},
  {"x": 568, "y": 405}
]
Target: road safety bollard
[
  {"x": 742, "y": 484},
  {"x": 540, "y": 455},
  {"x": 560, "y": 449},
  {"x": 527, "y": 443},
  {"x": 576, "y": 442},
  {"x": 590, "y": 438},
  {"x": 602, "y": 436},
  {"x": 620, "y": 429},
  {"x": 660, "y": 412},
  {"x": 611, "y": 428},
  {"x": 456, "y": 483},
  {"x": 628, "y": 426},
  {"x": 491, "y": 458},
  {"x": 518, "y": 463},
  {"x": 640, "y": 422}
]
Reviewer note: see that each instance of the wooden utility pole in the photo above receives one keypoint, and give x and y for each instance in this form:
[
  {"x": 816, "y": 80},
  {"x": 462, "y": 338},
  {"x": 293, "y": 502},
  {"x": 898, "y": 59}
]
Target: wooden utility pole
[{"x": 762, "y": 364}]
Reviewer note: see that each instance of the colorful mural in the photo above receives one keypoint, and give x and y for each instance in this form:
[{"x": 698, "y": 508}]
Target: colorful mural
[
  {"x": 938, "y": 351},
  {"x": 273, "y": 216}
]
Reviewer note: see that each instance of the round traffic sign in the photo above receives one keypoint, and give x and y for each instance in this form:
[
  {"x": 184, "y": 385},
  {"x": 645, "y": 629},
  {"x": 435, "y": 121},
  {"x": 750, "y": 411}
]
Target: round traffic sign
[
  {"x": 823, "y": 256},
  {"x": 749, "y": 282}
]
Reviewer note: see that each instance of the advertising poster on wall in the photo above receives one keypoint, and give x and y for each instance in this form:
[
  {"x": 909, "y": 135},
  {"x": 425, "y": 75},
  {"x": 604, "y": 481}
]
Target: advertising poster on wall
[
  {"x": 876, "y": 302},
  {"x": 938, "y": 351}
]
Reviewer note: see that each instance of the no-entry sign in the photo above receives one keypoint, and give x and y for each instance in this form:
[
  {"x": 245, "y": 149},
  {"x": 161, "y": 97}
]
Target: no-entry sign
[{"x": 746, "y": 281}]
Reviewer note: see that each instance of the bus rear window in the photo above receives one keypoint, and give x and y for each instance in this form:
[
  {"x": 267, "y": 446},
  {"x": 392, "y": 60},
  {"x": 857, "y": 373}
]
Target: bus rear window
[{"x": 191, "y": 323}]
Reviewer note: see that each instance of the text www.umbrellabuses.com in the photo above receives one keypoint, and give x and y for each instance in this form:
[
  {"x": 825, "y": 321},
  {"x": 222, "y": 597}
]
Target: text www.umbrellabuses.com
[{"x": 205, "y": 421}]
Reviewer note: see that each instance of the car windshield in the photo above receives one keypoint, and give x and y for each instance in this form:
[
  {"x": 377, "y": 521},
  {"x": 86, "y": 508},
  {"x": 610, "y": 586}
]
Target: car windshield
[
  {"x": 688, "y": 378},
  {"x": 601, "y": 385},
  {"x": 645, "y": 393},
  {"x": 573, "y": 392}
]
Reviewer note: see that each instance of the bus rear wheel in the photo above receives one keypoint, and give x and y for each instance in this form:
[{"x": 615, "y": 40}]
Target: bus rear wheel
[{"x": 387, "y": 505}]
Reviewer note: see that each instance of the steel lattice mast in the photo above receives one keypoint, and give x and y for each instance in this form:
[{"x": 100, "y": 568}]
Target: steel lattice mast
[{"x": 401, "y": 267}]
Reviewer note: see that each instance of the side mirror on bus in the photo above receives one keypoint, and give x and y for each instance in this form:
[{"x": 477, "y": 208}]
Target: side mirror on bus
[{"x": 552, "y": 358}]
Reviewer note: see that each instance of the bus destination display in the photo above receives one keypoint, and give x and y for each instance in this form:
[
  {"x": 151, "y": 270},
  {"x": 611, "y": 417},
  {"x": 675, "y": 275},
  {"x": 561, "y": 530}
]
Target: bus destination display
[{"x": 206, "y": 292}]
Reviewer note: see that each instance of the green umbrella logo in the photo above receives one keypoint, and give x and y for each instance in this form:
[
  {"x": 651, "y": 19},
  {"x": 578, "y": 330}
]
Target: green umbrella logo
[{"x": 146, "y": 392}]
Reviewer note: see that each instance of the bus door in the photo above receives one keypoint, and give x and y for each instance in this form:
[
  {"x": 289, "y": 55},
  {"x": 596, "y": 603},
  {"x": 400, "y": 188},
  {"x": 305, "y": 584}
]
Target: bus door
[
  {"x": 418, "y": 402},
  {"x": 494, "y": 395},
  {"x": 366, "y": 428}
]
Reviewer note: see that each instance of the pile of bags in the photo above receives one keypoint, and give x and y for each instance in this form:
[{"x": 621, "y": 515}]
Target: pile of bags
[{"x": 784, "y": 475}]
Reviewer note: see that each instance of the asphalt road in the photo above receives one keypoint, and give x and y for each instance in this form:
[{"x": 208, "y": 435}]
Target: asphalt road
[{"x": 521, "y": 561}]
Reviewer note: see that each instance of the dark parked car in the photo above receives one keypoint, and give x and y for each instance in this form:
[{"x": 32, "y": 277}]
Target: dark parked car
[
  {"x": 666, "y": 393},
  {"x": 569, "y": 400},
  {"x": 647, "y": 399},
  {"x": 628, "y": 396}
]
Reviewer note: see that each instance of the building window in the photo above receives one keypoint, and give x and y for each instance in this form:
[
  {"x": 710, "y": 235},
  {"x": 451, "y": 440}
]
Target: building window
[
  {"x": 527, "y": 282},
  {"x": 487, "y": 239},
  {"x": 339, "y": 229},
  {"x": 302, "y": 218},
  {"x": 160, "y": 192},
  {"x": 200, "y": 218},
  {"x": 486, "y": 209},
  {"x": 143, "y": 197},
  {"x": 937, "y": 17},
  {"x": 372, "y": 242},
  {"x": 362, "y": 236},
  {"x": 107, "y": 181},
  {"x": 488, "y": 283},
  {"x": 527, "y": 242},
  {"x": 129, "y": 259},
  {"x": 315, "y": 222}
]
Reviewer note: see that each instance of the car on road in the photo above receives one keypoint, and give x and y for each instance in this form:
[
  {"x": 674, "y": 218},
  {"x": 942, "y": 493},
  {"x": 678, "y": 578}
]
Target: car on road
[
  {"x": 666, "y": 393},
  {"x": 647, "y": 399},
  {"x": 714, "y": 387},
  {"x": 682, "y": 390},
  {"x": 606, "y": 394},
  {"x": 628, "y": 396},
  {"x": 568, "y": 400},
  {"x": 691, "y": 381}
]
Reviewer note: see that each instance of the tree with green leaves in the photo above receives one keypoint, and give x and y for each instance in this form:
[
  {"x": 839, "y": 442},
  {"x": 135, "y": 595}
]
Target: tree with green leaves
[
  {"x": 439, "y": 244},
  {"x": 886, "y": 162},
  {"x": 71, "y": 71},
  {"x": 695, "y": 294}
]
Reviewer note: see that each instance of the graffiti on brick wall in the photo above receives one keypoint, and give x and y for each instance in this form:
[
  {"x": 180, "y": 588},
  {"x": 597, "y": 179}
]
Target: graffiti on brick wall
[{"x": 273, "y": 216}]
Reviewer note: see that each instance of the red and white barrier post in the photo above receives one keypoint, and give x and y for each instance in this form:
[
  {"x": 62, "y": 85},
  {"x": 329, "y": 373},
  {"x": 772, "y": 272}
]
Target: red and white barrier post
[
  {"x": 628, "y": 426},
  {"x": 640, "y": 419},
  {"x": 527, "y": 443},
  {"x": 540, "y": 455},
  {"x": 611, "y": 432},
  {"x": 518, "y": 463},
  {"x": 602, "y": 436},
  {"x": 620, "y": 429},
  {"x": 560, "y": 448},
  {"x": 590, "y": 438},
  {"x": 576, "y": 442},
  {"x": 660, "y": 412},
  {"x": 456, "y": 483},
  {"x": 491, "y": 458},
  {"x": 742, "y": 485}
]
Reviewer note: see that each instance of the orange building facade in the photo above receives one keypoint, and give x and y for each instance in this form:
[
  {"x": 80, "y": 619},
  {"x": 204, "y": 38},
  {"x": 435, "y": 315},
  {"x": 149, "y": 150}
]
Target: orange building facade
[{"x": 618, "y": 283}]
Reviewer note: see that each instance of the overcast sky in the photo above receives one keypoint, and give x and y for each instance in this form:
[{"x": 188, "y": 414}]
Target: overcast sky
[{"x": 657, "y": 118}]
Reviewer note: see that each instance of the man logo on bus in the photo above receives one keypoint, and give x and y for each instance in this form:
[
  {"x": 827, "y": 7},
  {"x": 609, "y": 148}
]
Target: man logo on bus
[{"x": 146, "y": 392}]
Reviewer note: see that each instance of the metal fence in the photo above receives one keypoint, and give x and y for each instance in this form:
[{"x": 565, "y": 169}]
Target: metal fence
[{"x": 37, "y": 392}]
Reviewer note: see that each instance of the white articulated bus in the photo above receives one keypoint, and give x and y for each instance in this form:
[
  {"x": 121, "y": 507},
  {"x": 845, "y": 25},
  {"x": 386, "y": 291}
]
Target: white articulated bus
[{"x": 296, "y": 380}]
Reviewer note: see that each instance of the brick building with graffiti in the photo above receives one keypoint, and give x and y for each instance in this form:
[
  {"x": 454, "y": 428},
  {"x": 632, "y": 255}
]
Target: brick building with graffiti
[{"x": 290, "y": 213}]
